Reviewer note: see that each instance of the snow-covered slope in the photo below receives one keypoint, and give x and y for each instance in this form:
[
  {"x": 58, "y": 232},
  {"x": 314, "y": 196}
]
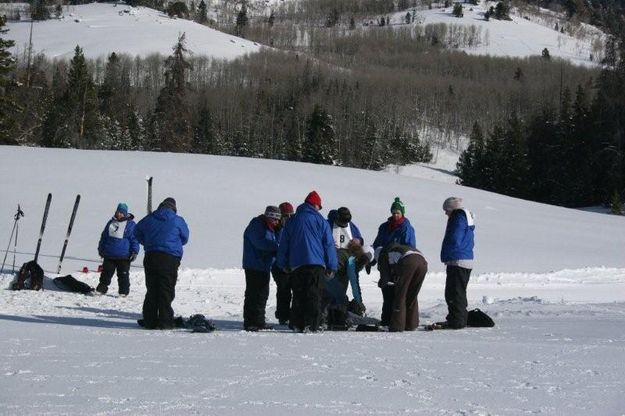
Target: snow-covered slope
[
  {"x": 519, "y": 37},
  {"x": 219, "y": 195},
  {"x": 557, "y": 348},
  {"x": 101, "y": 28}
]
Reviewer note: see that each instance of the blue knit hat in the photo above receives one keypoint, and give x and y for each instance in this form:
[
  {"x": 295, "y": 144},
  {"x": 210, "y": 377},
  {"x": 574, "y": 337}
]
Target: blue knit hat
[{"x": 122, "y": 207}]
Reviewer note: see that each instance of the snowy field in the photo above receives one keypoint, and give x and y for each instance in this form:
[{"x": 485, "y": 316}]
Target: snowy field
[
  {"x": 553, "y": 279},
  {"x": 102, "y": 28}
]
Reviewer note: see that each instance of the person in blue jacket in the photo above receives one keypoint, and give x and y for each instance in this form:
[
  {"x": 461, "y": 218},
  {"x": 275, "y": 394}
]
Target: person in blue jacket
[
  {"x": 307, "y": 251},
  {"x": 283, "y": 282},
  {"x": 118, "y": 247},
  {"x": 397, "y": 229},
  {"x": 457, "y": 254},
  {"x": 343, "y": 229},
  {"x": 260, "y": 245},
  {"x": 162, "y": 234}
]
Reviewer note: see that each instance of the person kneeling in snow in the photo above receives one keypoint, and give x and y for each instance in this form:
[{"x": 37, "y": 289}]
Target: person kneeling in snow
[
  {"x": 118, "y": 247},
  {"x": 162, "y": 233},
  {"x": 334, "y": 301}
]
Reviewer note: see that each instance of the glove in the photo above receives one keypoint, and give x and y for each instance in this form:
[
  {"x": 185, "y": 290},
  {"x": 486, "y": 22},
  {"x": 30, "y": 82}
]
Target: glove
[
  {"x": 133, "y": 257},
  {"x": 329, "y": 274}
]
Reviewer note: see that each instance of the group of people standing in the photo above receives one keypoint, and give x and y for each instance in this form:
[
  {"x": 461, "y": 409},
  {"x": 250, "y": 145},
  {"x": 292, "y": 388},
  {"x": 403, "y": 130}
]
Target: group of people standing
[{"x": 315, "y": 259}]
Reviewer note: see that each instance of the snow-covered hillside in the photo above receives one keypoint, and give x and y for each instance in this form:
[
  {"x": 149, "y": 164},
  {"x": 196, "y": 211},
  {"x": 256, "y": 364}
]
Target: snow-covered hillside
[
  {"x": 102, "y": 28},
  {"x": 557, "y": 347},
  {"x": 520, "y": 37},
  {"x": 219, "y": 195}
]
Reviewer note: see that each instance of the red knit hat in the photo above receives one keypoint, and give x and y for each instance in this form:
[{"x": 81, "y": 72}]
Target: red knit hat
[
  {"x": 313, "y": 198},
  {"x": 286, "y": 208}
]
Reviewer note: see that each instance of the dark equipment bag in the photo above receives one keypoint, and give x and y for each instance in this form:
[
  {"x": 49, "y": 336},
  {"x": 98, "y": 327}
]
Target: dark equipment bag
[
  {"x": 478, "y": 319},
  {"x": 71, "y": 284},
  {"x": 29, "y": 277}
]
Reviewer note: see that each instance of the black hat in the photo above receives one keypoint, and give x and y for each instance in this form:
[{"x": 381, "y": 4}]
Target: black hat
[
  {"x": 343, "y": 216},
  {"x": 168, "y": 203}
]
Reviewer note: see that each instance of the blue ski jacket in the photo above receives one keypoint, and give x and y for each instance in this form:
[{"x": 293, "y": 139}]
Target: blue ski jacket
[
  {"x": 404, "y": 234},
  {"x": 306, "y": 240},
  {"x": 260, "y": 245},
  {"x": 118, "y": 239},
  {"x": 459, "y": 235},
  {"x": 354, "y": 229},
  {"x": 163, "y": 231}
]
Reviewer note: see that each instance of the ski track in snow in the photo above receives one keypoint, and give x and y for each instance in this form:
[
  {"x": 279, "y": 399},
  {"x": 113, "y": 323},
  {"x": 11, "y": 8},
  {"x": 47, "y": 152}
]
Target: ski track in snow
[{"x": 547, "y": 355}]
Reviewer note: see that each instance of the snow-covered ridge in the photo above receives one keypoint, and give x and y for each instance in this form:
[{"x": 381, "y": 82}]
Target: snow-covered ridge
[{"x": 101, "y": 28}]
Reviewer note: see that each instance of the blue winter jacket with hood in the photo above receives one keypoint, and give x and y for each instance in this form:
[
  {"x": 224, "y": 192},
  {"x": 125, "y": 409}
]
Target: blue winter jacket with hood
[
  {"x": 163, "y": 231},
  {"x": 118, "y": 239},
  {"x": 306, "y": 240},
  {"x": 459, "y": 234},
  {"x": 404, "y": 235},
  {"x": 353, "y": 228},
  {"x": 260, "y": 245}
]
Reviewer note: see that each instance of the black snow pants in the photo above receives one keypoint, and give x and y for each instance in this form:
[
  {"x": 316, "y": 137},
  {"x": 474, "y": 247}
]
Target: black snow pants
[
  {"x": 283, "y": 294},
  {"x": 456, "y": 296},
  {"x": 108, "y": 270},
  {"x": 256, "y": 295},
  {"x": 161, "y": 274},
  {"x": 307, "y": 283}
]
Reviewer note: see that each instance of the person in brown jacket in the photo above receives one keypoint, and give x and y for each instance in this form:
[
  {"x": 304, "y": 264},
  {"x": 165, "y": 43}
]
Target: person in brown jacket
[{"x": 403, "y": 267}]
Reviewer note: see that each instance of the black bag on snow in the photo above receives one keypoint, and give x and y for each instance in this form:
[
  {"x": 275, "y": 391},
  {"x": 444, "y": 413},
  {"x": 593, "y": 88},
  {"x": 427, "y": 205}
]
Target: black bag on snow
[
  {"x": 478, "y": 319},
  {"x": 72, "y": 284},
  {"x": 29, "y": 277}
]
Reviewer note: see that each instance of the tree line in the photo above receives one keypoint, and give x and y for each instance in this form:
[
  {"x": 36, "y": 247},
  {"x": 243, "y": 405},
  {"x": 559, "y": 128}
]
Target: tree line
[{"x": 571, "y": 155}]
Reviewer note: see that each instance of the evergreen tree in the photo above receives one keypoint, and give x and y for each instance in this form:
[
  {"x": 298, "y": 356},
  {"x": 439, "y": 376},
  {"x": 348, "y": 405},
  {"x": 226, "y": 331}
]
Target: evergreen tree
[
  {"x": 457, "y": 11},
  {"x": 470, "y": 164},
  {"x": 271, "y": 19},
  {"x": 7, "y": 104},
  {"x": 170, "y": 127},
  {"x": 204, "y": 136},
  {"x": 39, "y": 10},
  {"x": 333, "y": 17},
  {"x": 242, "y": 20},
  {"x": 202, "y": 10},
  {"x": 82, "y": 104},
  {"x": 616, "y": 205},
  {"x": 319, "y": 138}
]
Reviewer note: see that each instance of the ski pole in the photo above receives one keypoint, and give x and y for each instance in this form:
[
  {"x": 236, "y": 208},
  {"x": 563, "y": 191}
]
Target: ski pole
[
  {"x": 19, "y": 214},
  {"x": 69, "y": 231},
  {"x": 149, "y": 180},
  {"x": 43, "y": 225}
]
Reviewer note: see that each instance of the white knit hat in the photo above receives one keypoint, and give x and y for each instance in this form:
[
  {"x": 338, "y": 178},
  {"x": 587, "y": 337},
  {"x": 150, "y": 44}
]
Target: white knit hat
[{"x": 452, "y": 203}]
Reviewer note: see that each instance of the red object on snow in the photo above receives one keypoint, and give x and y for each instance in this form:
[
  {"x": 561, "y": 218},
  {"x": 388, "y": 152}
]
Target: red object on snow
[
  {"x": 85, "y": 269},
  {"x": 99, "y": 268}
]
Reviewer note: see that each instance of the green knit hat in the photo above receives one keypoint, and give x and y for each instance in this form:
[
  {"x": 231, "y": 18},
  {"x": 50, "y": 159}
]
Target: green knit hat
[{"x": 398, "y": 205}]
